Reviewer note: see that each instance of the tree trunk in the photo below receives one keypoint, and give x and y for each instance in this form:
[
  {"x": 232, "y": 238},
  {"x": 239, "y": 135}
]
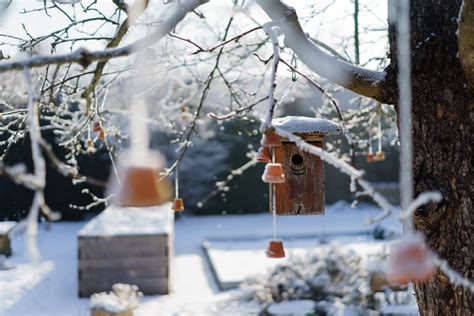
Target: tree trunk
[{"x": 442, "y": 139}]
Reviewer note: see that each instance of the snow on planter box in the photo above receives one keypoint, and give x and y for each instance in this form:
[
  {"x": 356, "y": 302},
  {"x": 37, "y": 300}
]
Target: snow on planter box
[{"x": 126, "y": 245}]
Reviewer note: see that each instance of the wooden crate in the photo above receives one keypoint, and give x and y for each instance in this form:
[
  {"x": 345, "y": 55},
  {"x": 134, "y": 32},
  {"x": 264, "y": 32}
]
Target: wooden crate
[
  {"x": 110, "y": 252},
  {"x": 100, "y": 312}
]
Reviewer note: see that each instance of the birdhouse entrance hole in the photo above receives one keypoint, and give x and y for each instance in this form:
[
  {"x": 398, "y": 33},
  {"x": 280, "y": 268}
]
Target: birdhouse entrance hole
[
  {"x": 303, "y": 190},
  {"x": 297, "y": 166}
]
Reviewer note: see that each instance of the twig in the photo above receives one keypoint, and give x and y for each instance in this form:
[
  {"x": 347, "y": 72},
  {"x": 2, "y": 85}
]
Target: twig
[
  {"x": 235, "y": 112},
  {"x": 267, "y": 123},
  {"x": 85, "y": 57}
]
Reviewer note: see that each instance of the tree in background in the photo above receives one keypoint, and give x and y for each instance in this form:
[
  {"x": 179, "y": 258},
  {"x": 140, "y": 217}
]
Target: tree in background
[{"x": 239, "y": 68}]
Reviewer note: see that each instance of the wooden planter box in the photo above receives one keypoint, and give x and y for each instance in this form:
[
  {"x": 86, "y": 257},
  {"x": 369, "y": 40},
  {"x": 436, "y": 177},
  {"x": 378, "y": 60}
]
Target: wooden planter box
[
  {"x": 101, "y": 312},
  {"x": 5, "y": 243},
  {"x": 126, "y": 245}
]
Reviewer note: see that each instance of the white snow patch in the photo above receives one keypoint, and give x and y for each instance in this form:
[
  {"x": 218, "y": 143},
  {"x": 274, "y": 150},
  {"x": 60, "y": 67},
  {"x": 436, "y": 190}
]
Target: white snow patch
[
  {"x": 16, "y": 282},
  {"x": 295, "y": 308},
  {"x": 5, "y": 227},
  {"x": 235, "y": 261},
  {"x": 302, "y": 124},
  {"x": 123, "y": 297},
  {"x": 131, "y": 221}
]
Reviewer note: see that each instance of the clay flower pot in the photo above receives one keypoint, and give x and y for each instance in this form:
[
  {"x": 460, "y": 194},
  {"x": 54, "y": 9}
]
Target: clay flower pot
[
  {"x": 410, "y": 261},
  {"x": 379, "y": 156},
  {"x": 101, "y": 135},
  {"x": 178, "y": 205},
  {"x": 275, "y": 249},
  {"x": 96, "y": 127},
  {"x": 263, "y": 155},
  {"x": 273, "y": 173},
  {"x": 270, "y": 139},
  {"x": 370, "y": 158},
  {"x": 139, "y": 188}
]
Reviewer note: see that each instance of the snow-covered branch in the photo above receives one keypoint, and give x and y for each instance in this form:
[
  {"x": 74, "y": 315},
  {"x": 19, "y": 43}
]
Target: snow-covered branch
[
  {"x": 360, "y": 80},
  {"x": 84, "y": 57},
  {"x": 266, "y": 124},
  {"x": 39, "y": 172}
]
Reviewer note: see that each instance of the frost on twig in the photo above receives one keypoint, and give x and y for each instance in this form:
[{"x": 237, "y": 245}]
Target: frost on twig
[
  {"x": 84, "y": 57},
  {"x": 39, "y": 171},
  {"x": 267, "y": 122}
]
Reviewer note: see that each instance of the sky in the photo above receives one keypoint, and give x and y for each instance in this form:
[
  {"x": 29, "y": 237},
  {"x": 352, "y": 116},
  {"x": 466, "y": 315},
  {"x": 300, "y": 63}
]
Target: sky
[{"x": 333, "y": 26}]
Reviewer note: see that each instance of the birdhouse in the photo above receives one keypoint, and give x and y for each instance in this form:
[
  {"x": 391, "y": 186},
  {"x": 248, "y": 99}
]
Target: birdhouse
[{"x": 302, "y": 193}]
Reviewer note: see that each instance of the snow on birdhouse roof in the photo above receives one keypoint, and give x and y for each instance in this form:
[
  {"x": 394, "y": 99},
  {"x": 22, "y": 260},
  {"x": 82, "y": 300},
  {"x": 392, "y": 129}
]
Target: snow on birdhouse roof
[
  {"x": 307, "y": 125},
  {"x": 115, "y": 220}
]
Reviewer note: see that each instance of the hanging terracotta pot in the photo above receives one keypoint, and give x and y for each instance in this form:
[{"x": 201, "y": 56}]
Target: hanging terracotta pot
[
  {"x": 275, "y": 249},
  {"x": 178, "y": 205},
  {"x": 101, "y": 135},
  {"x": 370, "y": 157},
  {"x": 139, "y": 187},
  {"x": 379, "y": 156},
  {"x": 263, "y": 155},
  {"x": 96, "y": 127},
  {"x": 273, "y": 173},
  {"x": 410, "y": 261},
  {"x": 271, "y": 139}
]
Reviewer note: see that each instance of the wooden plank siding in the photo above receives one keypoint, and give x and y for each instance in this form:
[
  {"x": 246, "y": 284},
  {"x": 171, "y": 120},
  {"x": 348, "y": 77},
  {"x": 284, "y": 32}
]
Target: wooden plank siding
[
  {"x": 142, "y": 260},
  {"x": 303, "y": 190}
]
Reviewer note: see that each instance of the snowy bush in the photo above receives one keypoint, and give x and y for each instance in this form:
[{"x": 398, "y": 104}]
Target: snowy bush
[
  {"x": 123, "y": 297},
  {"x": 331, "y": 277}
]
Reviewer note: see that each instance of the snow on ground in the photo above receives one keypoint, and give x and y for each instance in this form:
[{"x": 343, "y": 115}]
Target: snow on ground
[
  {"x": 50, "y": 287},
  {"x": 237, "y": 260}
]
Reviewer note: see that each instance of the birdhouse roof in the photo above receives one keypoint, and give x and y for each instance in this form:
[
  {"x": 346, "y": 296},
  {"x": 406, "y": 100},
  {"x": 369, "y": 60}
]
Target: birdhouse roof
[{"x": 307, "y": 125}]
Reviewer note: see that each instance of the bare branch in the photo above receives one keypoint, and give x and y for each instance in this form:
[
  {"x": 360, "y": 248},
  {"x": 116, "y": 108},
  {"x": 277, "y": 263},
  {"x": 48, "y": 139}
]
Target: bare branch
[
  {"x": 360, "y": 80},
  {"x": 236, "y": 112},
  {"x": 84, "y": 57},
  {"x": 123, "y": 29}
]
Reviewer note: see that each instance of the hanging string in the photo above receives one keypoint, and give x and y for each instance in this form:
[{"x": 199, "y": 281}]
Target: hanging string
[
  {"x": 379, "y": 126},
  {"x": 273, "y": 204},
  {"x": 176, "y": 183}
]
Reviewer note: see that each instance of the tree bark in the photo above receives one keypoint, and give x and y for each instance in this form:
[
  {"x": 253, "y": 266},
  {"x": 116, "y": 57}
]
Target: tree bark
[{"x": 443, "y": 106}]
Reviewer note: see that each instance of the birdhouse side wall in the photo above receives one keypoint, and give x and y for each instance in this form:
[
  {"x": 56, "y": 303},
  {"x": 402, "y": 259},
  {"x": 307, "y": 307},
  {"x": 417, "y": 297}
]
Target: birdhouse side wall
[{"x": 303, "y": 190}]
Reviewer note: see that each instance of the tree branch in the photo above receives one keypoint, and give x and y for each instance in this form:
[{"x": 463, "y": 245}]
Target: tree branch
[
  {"x": 123, "y": 29},
  {"x": 466, "y": 39},
  {"x": 84, "y": 57},
  {"x": 357, "y": 79}
]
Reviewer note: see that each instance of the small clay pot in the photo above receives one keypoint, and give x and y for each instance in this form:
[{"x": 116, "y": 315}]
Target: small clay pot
[
  {"x": 271, "y": 139},
  {"x": 370, "y": 158},
  {"x": 96, "y": 127},
  {"x": 379, "y": 156},
  {"x": 139, "y": 188},
  {"x": 101, "y": 135},
  {"x": 273, "y": 173},
  {"x": 410, "y": 261},
  {"x": 263, "y": 155},
  {"x": 178, "y": 205},
  {"x": 275, "y": 249}
]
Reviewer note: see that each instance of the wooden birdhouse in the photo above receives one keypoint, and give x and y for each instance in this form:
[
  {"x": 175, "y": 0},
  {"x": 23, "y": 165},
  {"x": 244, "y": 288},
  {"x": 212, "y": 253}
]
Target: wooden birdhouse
[{"x": 302, "y": 193}]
